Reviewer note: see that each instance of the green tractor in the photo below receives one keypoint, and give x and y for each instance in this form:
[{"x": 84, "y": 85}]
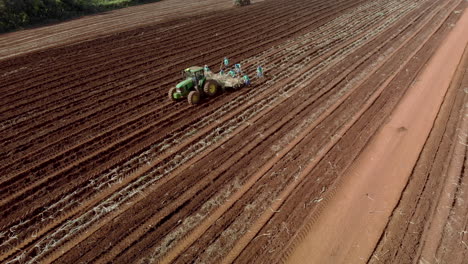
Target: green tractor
[
  {"x": 194, "y": 86},
  {"x": 200, "y": 82}
]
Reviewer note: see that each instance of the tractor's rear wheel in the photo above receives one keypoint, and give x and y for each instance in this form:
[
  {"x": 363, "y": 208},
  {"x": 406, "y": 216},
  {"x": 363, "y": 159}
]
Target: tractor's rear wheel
[
  {"x": 211, "y": 87},
  {"x": 194, "y": 97},
  {"x": 171, "y": 93}
]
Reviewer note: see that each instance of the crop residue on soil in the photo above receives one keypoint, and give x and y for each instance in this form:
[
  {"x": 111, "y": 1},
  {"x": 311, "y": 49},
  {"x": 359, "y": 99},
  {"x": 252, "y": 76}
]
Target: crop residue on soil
[{"x": 99, "y": 166}]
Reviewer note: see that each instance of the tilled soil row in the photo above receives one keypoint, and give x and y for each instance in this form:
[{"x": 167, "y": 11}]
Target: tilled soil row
[
  {"x": 254, "y": 205},
  {"x": 453, "y": 246},
  {"x": 42, "y": 140},
  {"x": 300, "y": 206},
  {"x": 95, "y": 26},
  {"x": 166, "y": 188},
  {"x": 158, "y": 50},
  {"x": 55, "y": 54},
  {"x": 404, "y": 237},
  {"x": 123, "y": 20},
  {"x": 23, "y": 148},
  {"x": 91, "y": 106},
  {"x": 185, "y": 54},
  {"x": 133, "y": 46},
  {"x": 29, "y": 139}
]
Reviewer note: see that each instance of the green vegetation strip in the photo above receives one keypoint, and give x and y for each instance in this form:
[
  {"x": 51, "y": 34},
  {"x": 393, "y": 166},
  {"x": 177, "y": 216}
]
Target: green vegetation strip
[{"x": 18, "y": 14}]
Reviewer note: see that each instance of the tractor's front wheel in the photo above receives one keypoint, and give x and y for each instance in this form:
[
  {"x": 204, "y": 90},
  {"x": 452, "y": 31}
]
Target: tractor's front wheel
[
  {"x": 211, "y": 88},
  {"x": 171, "y": 93},
  {"x": 194, "y": 97}
]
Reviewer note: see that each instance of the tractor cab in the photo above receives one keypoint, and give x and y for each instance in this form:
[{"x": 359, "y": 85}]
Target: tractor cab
[
  {"x": 194, "y": 71},
  {"x": 194, "y": 79},
  {"x": 194, "y": 86},
  {"x": 196, "y": 75},
  {"x": 199, "y": 82}
]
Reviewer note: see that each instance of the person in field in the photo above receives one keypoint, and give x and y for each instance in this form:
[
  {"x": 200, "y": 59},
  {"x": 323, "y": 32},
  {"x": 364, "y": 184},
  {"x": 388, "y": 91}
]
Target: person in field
[
  {"x": 260, "y": 72},
  {"x": 237, "y": 68},
  {"x": 246, "y": 80}
]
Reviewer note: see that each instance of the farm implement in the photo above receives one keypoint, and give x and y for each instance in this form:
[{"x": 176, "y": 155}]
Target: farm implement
[{"x": 201, "y": 82}]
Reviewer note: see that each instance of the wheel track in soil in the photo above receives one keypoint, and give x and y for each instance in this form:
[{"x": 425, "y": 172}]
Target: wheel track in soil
[
  {"x": 406, "y": 229},
  {"x": 239, "y": 153},
  {"x": 305, "y": 188},
  {"x": 96, "y": 50},
  {"x": 36, "y": 145},
  {"x": 119, "y": 57},
  {"x": 31, "y": 139},
  {"x": 137, "y": 61},
  {"x": 237, "y": 201},
  {"x": 93, "y": 31},
  {"x": 267, "y": 231},
  {"x": 437, "y": 149}
]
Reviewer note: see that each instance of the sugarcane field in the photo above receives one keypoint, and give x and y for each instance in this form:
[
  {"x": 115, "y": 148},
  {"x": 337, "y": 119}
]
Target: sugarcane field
[{"x": 246, "y": 131}]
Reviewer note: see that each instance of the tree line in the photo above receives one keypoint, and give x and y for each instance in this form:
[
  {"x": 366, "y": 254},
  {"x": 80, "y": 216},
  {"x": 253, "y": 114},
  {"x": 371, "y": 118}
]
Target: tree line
[{"x": 16, "y": 14}]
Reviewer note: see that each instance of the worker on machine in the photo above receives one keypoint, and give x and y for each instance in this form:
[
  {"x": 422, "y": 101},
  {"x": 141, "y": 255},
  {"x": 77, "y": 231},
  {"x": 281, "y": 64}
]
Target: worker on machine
[
  {"x": 232, "y": 73},
  {"x": 237, "y": 68},
  {"x": 224, "y": 64},
  {"x": 259, "y": 71},
  {"x": 206, "y": 69},
  {"x": 246, "y": 80}
]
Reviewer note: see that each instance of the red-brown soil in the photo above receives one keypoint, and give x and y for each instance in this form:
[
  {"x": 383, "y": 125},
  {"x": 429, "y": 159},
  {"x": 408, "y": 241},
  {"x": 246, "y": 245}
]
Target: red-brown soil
[
  {"x": 99, "y": 166},
  {"x": 429, "y": 224},
  {"x": 353, "y": 220}
]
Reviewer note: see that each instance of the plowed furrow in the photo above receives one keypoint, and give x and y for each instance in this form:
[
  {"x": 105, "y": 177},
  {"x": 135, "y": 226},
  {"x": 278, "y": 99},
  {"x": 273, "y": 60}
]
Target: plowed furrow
[
  {"x": 91, "y": 106},
  {"x": 96, "y": 54},
  {"x": 227, "y": 42},
  {"x": 322, "y": 175},
  {"x": 99, "y": 167},
  {"x": 86, "y": 28},
  {"x": 276, "y": 177},
  {"x": 36, "y": 142},
  {"x": 182, "y": 130},
  {"x": 220, "y": 112}
]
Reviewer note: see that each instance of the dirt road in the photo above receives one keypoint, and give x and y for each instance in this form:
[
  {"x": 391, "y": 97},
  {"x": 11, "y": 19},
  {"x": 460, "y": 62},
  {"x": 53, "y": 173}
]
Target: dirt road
[
  {"x": 353, "y": 221},
  {"x": 99, "y": 166}
]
